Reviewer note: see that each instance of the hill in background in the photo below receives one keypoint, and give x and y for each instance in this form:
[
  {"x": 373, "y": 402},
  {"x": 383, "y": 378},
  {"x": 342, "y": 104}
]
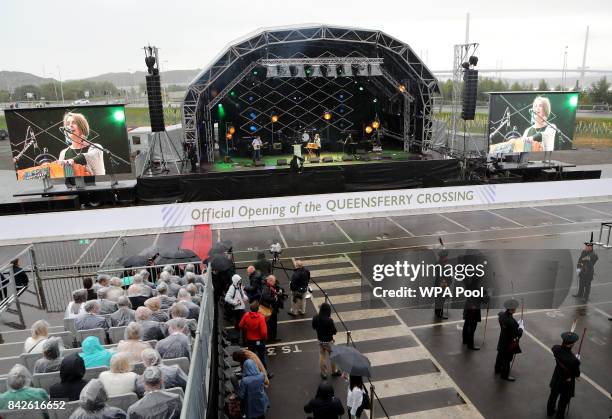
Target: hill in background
[{"x": 9, "y": 80}]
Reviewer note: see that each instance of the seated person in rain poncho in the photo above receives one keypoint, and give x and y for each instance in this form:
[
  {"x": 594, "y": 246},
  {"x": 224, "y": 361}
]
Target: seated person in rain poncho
[
  {"x": 93, "y": 404},
  {"x": 156, "y": 402}
]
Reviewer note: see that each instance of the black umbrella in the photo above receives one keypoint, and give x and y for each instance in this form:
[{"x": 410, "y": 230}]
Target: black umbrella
[
  {"x": 220, "y": 247},
  {"x": 136, "y": 260},
  {"x": 351, "y": 361},
  {"x": 221, "y": 263},
  {"x": 168, "y": 257},
  {"x": 151, "y": 251}
]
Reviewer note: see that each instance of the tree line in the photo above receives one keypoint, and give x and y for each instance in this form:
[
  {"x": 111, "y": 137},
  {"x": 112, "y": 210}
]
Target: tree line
[
  {"x": 598, "y": 92},
  {"x": 72, "y": 90}
]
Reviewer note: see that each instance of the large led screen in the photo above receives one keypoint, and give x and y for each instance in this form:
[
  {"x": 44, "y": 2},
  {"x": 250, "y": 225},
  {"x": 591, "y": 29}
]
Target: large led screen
[
  {"x": 63, "y": 142},
  {"x": 531, "y": 121}
]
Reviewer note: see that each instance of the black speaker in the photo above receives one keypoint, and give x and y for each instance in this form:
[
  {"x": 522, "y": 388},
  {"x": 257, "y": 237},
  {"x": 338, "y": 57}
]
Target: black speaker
[
  {"x": 260, "y": 163},
  {"x": 281, "y": 162},
  {"x": 314, "y": 160},
  {"x": 470, "y": 91},
  {"x": 156, "y": 107},
  {"x": 347, "y": 158},
  {"x": 328, "y": 160}
]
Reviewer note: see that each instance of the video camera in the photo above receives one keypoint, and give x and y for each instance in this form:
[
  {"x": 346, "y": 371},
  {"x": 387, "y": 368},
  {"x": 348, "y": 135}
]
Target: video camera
[{"x": 276, "y": 249}]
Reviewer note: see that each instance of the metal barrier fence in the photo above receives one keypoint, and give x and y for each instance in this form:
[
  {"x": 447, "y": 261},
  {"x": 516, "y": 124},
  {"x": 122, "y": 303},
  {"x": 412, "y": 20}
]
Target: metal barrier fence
[
  {"x": 195, "y": 404},
  {"x": 11, "y": 293}
]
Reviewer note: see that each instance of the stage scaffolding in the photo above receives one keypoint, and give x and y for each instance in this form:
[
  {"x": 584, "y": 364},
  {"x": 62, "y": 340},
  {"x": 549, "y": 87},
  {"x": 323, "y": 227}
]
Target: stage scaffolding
[{"x": 401, "y": 65}]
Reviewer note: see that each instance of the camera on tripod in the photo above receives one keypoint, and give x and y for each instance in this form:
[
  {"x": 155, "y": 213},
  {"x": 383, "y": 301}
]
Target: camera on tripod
[{"x": 276, "y": 249}]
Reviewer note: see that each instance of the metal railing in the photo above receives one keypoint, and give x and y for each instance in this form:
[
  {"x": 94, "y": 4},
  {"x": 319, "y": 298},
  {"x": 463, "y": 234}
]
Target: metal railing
[
  {"x": 195, "y": 403},
  {"x": 10, "y": 294},
  {"x": 604, "y": 226}
]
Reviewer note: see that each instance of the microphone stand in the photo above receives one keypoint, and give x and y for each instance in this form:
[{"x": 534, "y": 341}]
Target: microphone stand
[{"x": 112, "y": 157}]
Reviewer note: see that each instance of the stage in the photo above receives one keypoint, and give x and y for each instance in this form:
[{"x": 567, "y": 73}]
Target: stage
[{"x": 241, "y": 179}]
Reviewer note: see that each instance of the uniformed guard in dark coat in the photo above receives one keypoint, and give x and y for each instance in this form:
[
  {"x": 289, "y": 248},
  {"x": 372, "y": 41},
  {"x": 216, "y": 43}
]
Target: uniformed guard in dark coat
[
  {"x": 563, "y": 380},
  {"x": 444, "y": 282},
  {"x": 509, "y": 336},
  {"x": 586, "y": 269},
  {"x": 471, "y": 313}
]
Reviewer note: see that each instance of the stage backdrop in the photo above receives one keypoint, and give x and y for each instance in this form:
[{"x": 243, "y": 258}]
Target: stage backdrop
[
  {"x": 512, "y": 116},
  {"x": 36, "y": 140}
]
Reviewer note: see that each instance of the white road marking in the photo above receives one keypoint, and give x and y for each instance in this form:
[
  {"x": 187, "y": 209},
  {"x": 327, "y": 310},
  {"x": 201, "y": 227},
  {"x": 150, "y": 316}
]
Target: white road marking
[{"x": 343, "y": 232}]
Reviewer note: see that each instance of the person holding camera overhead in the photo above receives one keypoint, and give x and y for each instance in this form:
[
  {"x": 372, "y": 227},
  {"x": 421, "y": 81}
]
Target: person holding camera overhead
[{"x": 299, "y": 287}]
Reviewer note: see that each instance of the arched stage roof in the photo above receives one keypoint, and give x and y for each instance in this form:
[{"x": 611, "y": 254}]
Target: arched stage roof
[{"x": 400, "y": 67}]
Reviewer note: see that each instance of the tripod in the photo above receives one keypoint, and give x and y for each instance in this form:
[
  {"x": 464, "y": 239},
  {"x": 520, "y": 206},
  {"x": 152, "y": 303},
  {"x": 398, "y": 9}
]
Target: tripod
[
  {"x": 152, "y": 166},
  {"x": 277, "y": 263}
]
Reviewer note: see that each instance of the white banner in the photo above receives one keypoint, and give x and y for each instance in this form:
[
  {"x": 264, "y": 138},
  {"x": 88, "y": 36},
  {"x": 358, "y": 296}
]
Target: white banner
[{"x": 92, "y": 222}]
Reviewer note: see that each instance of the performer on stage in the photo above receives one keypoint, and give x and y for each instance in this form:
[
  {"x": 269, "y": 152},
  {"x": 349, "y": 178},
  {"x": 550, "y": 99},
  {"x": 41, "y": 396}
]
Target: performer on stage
[
  {"x": 350, "y": 145},
  {"x": 317, "y": 143},
  {"x": 80, "y": 151},
  {"x": 257, "y": 148}
]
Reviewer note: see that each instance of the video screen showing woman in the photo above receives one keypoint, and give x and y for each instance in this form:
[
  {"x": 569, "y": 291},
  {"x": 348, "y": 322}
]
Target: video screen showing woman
[{"x": 80, "y": 150}]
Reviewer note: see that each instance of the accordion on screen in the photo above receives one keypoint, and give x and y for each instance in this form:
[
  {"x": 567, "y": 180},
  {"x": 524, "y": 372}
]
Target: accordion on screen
[{"x": 53, "y": 170}]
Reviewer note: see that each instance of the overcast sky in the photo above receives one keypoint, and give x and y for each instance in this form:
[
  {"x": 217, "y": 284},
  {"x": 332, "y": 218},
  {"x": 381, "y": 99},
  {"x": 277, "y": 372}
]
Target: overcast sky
[{"x": 86, "y": 38}]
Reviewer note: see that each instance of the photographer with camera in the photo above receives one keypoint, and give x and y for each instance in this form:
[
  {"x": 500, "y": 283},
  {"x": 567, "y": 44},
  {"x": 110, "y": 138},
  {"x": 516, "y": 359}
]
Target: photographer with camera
[
  {"x": 299, "y": 288},
  {"x": 272, "y": 299},
  {"x": 256, "y": 283}
]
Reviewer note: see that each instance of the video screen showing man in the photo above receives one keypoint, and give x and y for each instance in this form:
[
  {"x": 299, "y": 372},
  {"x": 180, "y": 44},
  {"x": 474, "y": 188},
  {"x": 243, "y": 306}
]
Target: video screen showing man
[{"x": 531, "y": 122}]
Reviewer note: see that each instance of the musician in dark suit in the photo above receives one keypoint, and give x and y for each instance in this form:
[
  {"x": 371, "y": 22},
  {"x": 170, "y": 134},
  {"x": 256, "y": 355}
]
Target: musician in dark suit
[
  {"x": 563, "y": 381},
  {"x": 509, "y": 336},
  {"x": 350, "y": 146}
]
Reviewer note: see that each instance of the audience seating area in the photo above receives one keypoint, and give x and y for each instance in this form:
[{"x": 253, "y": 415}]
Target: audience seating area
[{"x": 12, "y": 353}]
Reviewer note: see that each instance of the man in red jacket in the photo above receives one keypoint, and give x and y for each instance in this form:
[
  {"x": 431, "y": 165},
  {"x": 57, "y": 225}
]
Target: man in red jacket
[{"x": 253, "y": 325}]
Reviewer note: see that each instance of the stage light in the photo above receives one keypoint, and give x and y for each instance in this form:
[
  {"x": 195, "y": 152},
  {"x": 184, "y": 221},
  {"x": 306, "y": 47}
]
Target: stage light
[
  {"x": 221, "y": 111},
  {"x": 232, "y": 130},
  {"x": 361, "y": 88},
  {"x": 473, "y": 60},
  {"x": 327, "y": 116},
  {"x": 252, "y": 128},
  {"x": 233, "y": 94},
  {"x": 376, "y": 124},
  {"x": 274, "y": 118},
  {"x": 253, "y": 115},
  {"x": 374, "y": 100},
  {"x": 573, "y": 101},
  {"x": 402, "y": 88},
  {"x": 228, "y": 136},
  {"x": 254, "y": 72},
  {"x": 368, "y": 129},
  {"x": 119, "y": 115}
]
